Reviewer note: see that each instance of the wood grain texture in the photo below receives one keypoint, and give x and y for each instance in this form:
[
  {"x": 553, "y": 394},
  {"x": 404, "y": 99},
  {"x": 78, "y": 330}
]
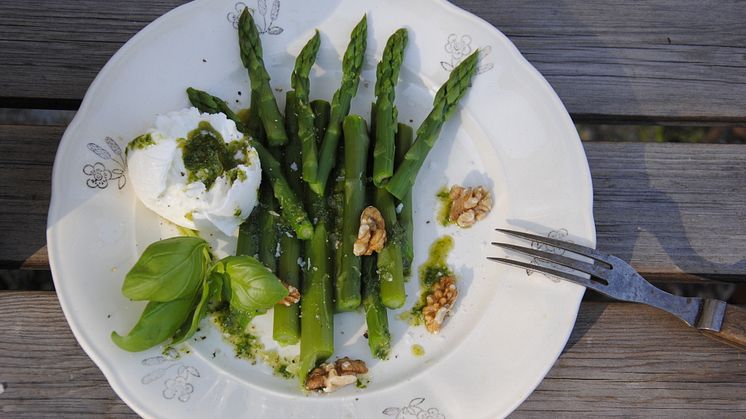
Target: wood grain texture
[
  {"x": 632, "y": 60},
  {"x": 52, "y": 50},
  {"x": 631, "y": 360},
  {"x": 656, "y": 367},
  {"x": 608, "y": 60},
  {"x": 26, "y": 157},
  {"x": 733, "y": 330},
  {"x": 675, "y": 211}
]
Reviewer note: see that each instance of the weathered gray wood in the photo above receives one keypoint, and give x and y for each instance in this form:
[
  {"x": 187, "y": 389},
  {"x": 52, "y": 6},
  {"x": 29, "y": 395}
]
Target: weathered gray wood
[
  {"x": 608, "y": 60},
  {"x": 656, "y": 367},
  {"x": 43, "y": 371},
  {"x": 673, "y": 210},
  {"x": 26, "y": 157},
  {"x": 634, "y": 361},
  {"x": 625, "y": 59},
  {"x": 52, "y": 50}
]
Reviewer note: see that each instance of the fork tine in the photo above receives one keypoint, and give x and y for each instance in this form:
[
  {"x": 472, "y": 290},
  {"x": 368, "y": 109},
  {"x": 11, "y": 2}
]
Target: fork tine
[
  {"x": 578, "y": 265},
  {"x": 575, "y": 248},
  {"x": 586, "y": 282}
]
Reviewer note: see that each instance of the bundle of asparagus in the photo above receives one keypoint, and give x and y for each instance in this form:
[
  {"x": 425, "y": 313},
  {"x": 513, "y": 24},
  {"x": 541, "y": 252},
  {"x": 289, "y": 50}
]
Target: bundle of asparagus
[{"x": 318, "y": 221}]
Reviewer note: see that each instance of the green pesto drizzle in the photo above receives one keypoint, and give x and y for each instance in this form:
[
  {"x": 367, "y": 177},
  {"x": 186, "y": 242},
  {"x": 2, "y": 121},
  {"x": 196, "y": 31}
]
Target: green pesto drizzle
[
  {"x": 444, "y": 212},
  {"x": 434, "y": 268},
  {"x": 205, "y": 154},
  {"x": 418, "y": 350},
  {"x": 140, "y": 142},
  {"x": 236, "y": 329}
]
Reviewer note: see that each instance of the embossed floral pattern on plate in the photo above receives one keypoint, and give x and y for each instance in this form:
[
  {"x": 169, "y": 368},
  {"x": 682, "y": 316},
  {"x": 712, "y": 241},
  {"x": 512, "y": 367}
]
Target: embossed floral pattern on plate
[
  {"x": 268, "y": 16},
  {"x": 98, "y": 174},
  {"x": 177, "y": 386}
]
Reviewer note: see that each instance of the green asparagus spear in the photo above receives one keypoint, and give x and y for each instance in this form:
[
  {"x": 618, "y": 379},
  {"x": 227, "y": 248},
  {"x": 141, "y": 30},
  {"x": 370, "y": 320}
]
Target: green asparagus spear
[
  {"x": 352, "y": 64},
  {"x": 307, "y": 136},
  {"x": 208, "y": 103},
  {"x": 251, "y": 56},
  {"x": 290, "y": 204},
  {"x": 376, "y": 316},
  {"x": 336, "y": 207},
  {"x": 317, "y": 308},
  {"x": 356, "y": 156},
  {"x": 444, "y": 105},
  {"x": 253, "y": 121},
  {"x": 286, "y": 322},
  {"x": 306, "y": 133},
  {"x": 303, "y": 63},
  {"x": 390, "y": 269},
  {"x": 248, "y": 235},
  {"x": 267, "y": 225},
  {"x": 404, "y": 139},
  {"x": 321, "y": 110},
  {"x": 293, "y": 148},
  {"x": 387, "y": 75}
]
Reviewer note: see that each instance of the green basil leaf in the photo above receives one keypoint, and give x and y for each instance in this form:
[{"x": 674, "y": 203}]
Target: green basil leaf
[
  {"x": 198, "y": 313},
  {"x": 158, "y": 322},
  {"x": 217, "y": 296},
  {"x": 253, "y": 286},
  {"x": 168, "y": 269}
]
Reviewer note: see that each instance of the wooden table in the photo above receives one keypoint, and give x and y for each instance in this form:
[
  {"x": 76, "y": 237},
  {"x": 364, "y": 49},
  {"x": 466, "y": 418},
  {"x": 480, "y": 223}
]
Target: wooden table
[{"x": 676, "y": 211}]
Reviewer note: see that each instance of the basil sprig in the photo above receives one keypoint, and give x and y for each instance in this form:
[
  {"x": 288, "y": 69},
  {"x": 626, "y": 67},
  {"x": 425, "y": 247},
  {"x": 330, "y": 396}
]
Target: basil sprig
[
  {"x": 253, "y": 286},
  {"x": 158, "y": 322},
  {"x": 181, "y": 284},
  {"x": 168, "y": 269}
]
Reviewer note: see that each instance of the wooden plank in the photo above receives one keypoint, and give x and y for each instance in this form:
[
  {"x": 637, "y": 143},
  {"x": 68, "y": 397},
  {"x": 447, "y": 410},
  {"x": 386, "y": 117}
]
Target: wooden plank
[
  {"x": 52, "y": 50},
  {"x": 26, "y": 157},
  {"x": 659, "y": 367},
  {"x": 625, "y": 59},
  {"x": 674, "y": 210},
  {"x": 608, "y": 60},
  {"x": 651, "y": 367},
  {"x": 43, "y": 371}
]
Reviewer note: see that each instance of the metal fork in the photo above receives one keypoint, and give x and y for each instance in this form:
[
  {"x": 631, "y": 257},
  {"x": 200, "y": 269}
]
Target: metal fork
[{"x": 614, "y": 277}]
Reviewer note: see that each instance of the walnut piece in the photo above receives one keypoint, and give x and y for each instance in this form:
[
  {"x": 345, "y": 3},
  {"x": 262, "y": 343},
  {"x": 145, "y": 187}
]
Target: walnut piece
[
  {"x": 346, "y": 366},
  {"x": 371, "y": 237},
  {"x": 469, "y": 205},
  {"x": 331, "y": 377},
  {"x": 293, "y": 295},
  {"x": 439, "y": 303}
]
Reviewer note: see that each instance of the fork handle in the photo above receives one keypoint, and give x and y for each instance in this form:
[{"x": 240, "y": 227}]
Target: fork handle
[{"x": 733, "y": 329}]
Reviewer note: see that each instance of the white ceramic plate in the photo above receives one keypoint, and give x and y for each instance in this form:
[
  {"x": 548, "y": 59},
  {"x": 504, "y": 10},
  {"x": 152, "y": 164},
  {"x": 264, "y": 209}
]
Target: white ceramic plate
[{"x": 512, "y": 134}]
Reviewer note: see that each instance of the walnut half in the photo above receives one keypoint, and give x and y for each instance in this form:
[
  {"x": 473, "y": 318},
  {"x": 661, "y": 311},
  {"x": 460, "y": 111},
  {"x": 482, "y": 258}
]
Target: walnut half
[
  {"x": 371, "y": 237},
  {"x": 439, "y": 303},
  {"x": 331, "y": 377},
  {"x": 293, "y": 295},
  {"x": 469, "y": 205}
]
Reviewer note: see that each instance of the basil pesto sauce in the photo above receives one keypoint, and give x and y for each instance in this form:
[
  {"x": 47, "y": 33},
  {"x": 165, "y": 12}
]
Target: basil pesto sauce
[
  {"x": 444, "y": 211},
  {"x": 140, "y": 142},
  {"x": 207, "y": 156},
  {"x": 434, "y": 268},
  {"x": 236, "y": 329}
]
